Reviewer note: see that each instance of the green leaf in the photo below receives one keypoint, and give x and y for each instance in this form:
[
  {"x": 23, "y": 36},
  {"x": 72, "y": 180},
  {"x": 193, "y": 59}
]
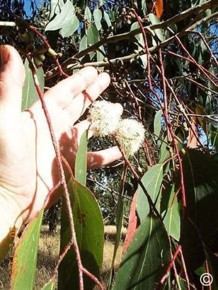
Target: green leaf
[
  {"x": 83, "y": 43},
  {"x": 151, "y": 180},
  {"x": 70, "y": 27},
  {"x": 88, "y": 14},
  {"x": 164, "y": 151},
  {"x": 81, "y": 160},
  {"x": 144, "y": 60},
  {"x": 90, "y": 237},
  {"x": 25, "y": 257},
  {"x": 107, "y": 19},
  {"x": 172, "y": 217},
  {"x": 97, "y": 18},
  {"x": 201, "y": 183},
  {"x": 158, "y": 33},
  {"x": 157, "y": 123},
  {"x": 66, "y": 20},
  {"x": 92, "y": 35},
  {"x": 146, "y": 259},
  {"x": 30, "y": 95}
]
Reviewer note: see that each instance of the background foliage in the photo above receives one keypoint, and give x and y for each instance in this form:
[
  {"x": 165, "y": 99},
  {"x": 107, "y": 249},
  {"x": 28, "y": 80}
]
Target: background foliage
[{"x": 162, "y": 59}]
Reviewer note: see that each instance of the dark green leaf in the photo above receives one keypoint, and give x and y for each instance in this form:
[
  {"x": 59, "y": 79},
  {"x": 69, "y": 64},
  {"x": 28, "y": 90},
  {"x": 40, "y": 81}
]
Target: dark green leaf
[
  {"x": 201, "y": 183},
  {"x": 81, "y": 160},
  {"x": 90, "y": 237},
  {"x": 25, "y": 257},
  {"x": 30, "y": 95},
  {"x": 92, "y": 35},
  {"x": 146, "y": 259},
  {"x": 151, "y": 180},
  {"x": 172, "y": 216}
]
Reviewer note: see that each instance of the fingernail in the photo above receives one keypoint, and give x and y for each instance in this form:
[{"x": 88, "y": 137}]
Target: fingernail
[{"x": 4, "y": 57}]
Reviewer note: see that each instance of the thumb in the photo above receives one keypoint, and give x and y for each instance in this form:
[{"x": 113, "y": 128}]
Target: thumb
[{"x": 12, "y": 75}]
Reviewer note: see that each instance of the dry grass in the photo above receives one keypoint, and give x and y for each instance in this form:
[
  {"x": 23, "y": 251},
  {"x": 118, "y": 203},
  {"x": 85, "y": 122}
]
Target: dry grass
[{"x": 48, "y": 255}]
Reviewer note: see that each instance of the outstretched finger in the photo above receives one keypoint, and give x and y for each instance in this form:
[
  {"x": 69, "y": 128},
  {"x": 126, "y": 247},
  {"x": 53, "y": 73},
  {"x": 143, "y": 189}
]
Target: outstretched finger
[{"x": 103, "y": 157}]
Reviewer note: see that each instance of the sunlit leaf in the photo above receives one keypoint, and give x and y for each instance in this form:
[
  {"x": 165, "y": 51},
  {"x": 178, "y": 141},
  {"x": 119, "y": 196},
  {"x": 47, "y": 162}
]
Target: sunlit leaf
[
  {"x": 30, "y": 95},
  {"x": 81, "y": 160},
  {"x": 107, "y": 19},
  {"x": 88, "y": 14},
  {"x": 146, "y": 259},
  {"x": 97, "y": 14},
  {"x": 66, "y": 20},
  {"x": 25, "y": 257}
]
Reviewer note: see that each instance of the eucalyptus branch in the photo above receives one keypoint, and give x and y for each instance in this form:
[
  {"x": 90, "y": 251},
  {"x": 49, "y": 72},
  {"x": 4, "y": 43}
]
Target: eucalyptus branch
[
  {"x": 149, "y": 29},
  {"x": 56, "y": 146}
]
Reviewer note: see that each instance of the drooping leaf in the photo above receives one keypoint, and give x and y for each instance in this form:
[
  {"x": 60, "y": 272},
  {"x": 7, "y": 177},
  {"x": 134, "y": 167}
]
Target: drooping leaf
[
  {"x": 83, "y": 43},
  {"x": 158, "y": 33},
  {"x": 157, "y": 123},
  {"x": 164, "y": 151},
  {"x": 97, "y": 14},
  {"x": 25, "y": 257},
  {"x": 172, "y": 217},
  {"x": 151, "y": 180},
  {"x": 90, "y": 237},
  {"x": 88, "y": 14},
  {"x": 30, "y": 95},
  {"x": 146, "y": 259},
  {"x": 107, "y": 19},
  {"x": 201, "y": 183},
  {"x": 66, "y": 20},
  {"x": 92, "y": 35},
  {"x": 81, "y": 160}
]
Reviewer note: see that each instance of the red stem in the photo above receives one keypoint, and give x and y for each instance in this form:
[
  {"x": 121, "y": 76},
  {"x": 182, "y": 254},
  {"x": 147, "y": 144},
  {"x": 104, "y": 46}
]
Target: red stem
[
  {"x": 73, "y": 240},
  {"x": 35, "y": 30}
]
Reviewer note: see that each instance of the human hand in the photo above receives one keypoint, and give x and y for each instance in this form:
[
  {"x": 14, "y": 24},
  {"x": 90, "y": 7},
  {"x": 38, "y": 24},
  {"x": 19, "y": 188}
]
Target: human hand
[{"x": 28, "y": 166}]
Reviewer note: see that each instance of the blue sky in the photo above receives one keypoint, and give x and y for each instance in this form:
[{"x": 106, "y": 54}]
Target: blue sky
[{"x": 27, "y": 5}]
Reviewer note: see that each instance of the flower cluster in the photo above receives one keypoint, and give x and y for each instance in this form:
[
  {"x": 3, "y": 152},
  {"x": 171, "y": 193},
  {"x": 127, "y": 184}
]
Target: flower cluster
[
  {"x": 130, "y": 135},
  {"x": 105, "y": 118}
]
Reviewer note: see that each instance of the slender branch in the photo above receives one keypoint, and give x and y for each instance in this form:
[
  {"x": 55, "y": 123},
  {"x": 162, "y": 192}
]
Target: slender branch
[
  {"x": 56, "y": 146},
  {"x": 171, "y": 264}
]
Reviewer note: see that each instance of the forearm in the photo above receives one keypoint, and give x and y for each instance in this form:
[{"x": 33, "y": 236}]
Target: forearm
[{"x": 10, "y": 221}]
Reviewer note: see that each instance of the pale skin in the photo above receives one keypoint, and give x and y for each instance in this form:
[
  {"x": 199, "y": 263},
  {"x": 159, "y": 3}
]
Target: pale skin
[{"x": 28, "y": 167}]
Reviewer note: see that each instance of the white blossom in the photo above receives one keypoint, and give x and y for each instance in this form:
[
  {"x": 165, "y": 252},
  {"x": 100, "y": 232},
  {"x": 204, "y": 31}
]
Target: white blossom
[
  {"x": 130, "y": 134},
  {"x": 104, "y": 117}
]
